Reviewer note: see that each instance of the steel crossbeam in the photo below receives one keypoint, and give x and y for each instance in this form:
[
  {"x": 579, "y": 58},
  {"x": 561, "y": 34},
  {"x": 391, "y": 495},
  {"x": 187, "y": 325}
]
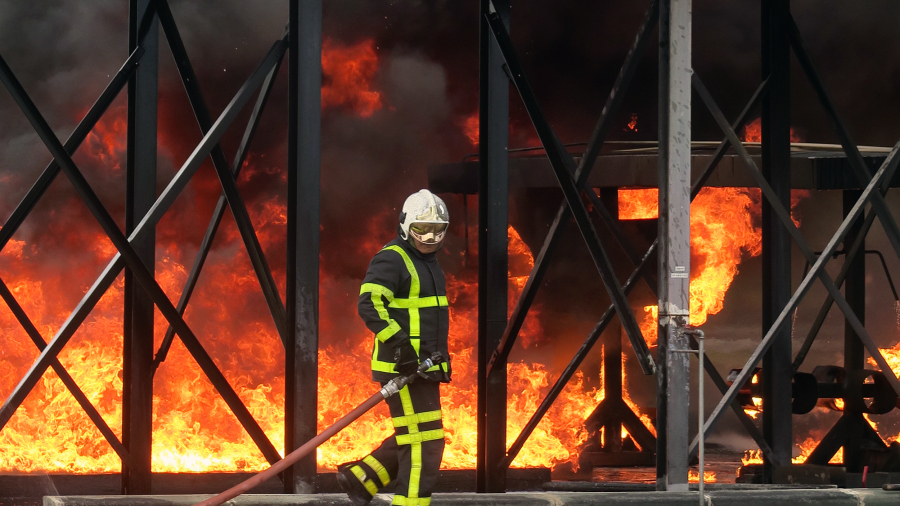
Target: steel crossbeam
[
  {"x": 564, "y": 166},
  {"x": 592, "y": 151},
  {"x": 817, "y": 271},
  {"x": 226, "y": 175},
  {"x": 127, "y": 255}
]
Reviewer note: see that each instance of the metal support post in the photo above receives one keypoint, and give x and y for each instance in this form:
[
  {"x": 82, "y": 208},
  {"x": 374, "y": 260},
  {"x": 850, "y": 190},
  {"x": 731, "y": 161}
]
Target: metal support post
[
  {"x": 674, "y": 243},
  {"x": 493, "y": 220},
  {"x": 776, "y": 240},
  {"x": 140, "y": 194},
  {"x": 612, "y": 351},
  {"x": 302, "y": 297},
  {"x": 854, "y": 351}
]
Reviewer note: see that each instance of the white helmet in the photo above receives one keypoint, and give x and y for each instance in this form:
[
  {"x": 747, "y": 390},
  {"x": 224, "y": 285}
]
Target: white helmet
[{"x": 425, "y": 217}]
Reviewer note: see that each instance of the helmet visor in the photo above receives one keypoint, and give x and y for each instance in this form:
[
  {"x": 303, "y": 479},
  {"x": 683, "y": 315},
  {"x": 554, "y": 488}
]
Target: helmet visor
[{"x": 428, "y": 233}]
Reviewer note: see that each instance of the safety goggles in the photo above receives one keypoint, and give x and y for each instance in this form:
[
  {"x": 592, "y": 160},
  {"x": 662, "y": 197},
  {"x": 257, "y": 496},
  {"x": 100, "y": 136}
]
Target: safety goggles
[{"x": 428, "y": 233}]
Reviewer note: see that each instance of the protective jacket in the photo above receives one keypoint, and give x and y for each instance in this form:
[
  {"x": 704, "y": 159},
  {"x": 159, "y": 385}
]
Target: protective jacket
[{"x": 404, "y": 297}]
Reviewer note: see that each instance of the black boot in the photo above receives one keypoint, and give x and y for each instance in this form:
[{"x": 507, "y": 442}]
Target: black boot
[{"x": 352, "y": 485}]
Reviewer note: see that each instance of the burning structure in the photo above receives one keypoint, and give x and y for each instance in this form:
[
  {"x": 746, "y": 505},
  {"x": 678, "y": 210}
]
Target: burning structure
[{"x": 231, "y": 377}]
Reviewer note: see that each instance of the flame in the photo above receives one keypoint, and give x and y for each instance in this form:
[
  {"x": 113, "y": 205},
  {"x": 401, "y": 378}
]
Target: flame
[
  {"x": 708, "y": 476},
  {"x": 722, "y": 230},
  {"x": 193, "y": 430},
  {"x": 348, "y": 73},
  {"x": 632, "y": 125},
  {"x": 470, "y": 128},
  {"x": 752, "y": 132}
]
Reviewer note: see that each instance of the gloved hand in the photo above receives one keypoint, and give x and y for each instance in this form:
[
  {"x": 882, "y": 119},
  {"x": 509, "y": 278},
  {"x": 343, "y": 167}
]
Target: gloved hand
[{"x": 406, "y": 361}]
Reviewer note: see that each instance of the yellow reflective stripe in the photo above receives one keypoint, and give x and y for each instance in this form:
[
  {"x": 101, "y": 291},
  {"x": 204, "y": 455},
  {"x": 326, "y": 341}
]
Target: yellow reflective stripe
[
  {"x": 406, "y": 401},
  {"x": 416, "y": 344},
  {"x": 376, "y": 288},
  {"x": 361, "y": 475},
  {"x": 428, "y": 416},
  {"x": 379, "y": 306},
  {"x": 400, "y": 500},
  {"x": 388, "y": 332},
  {"x": 413, "y": 289},
  {"x": 433, "y": 301},
  {"x": 414, "y": 282},
  {"x": 378, "y": 468},
  {"x": 417, "y": 438},
  {"x": 379, "y": 366}
]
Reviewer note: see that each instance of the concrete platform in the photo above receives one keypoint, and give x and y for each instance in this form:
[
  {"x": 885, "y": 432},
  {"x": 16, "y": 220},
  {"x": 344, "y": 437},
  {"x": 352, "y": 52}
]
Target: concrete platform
[{"x": 811, "y": 497}]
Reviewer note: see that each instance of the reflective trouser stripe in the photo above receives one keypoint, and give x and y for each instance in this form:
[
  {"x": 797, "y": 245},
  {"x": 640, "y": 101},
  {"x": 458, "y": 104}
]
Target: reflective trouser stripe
[
  {"x": 418, "y": 438},
  {"x": 400, "y": 500},
  {"x": 378, "y": 468},
  {"x": 361, "y": 475},
  {"x": 428, "y": 416},
  {"x": 415, "y": 449}
]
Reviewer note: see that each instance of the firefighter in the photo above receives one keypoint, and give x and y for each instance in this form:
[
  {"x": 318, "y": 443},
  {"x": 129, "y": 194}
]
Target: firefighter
[{"x": 403, "y": 301}]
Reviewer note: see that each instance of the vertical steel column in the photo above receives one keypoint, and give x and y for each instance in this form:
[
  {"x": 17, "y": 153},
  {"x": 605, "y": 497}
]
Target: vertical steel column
[
  {"x": 493, "y": 220},
  {"x": 140, "y": 194},
  {"x": 674, "y": 242},
  {"x": 612, "y": 351},
  {"x": 854, "y": 351},
  {"x": 776, "y": 240},
  {"x": 302, "y": 297}
]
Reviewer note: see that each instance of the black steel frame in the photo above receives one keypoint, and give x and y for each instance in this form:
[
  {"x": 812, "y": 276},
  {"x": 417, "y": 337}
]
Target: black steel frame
[
  {"x": 297, "y": 322},
  {"x": 296, "y": 319}
]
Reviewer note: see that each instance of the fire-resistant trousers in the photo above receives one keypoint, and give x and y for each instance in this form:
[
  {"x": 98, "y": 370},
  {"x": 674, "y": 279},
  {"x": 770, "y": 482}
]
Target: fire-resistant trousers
[{"x": 413, "y": 454}]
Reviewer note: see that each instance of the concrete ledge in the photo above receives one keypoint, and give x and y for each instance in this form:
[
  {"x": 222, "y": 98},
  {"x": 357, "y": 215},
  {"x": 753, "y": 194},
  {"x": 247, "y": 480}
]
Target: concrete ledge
[{"x": 812, "y": 497}]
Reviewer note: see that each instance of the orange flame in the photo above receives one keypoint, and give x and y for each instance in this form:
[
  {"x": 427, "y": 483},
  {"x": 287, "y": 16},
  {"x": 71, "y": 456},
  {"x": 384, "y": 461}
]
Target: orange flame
[
  {"x": 470, "y": 128},
  {"x": 348, "y": 73},
  {"x": 708, "y": 476},
  {"x": 632, "y": 125},
  {"x": 193, "y": 430},
  {"x": 752, "y": 132}
]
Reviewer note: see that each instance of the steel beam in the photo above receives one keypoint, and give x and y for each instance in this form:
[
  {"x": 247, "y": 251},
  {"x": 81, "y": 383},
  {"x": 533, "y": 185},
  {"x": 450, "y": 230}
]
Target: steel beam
[
  {"x": 604, "y": 124},
  {"x": 303, "y": 202},
  {"x": 127, "y": 254},
  {"x": 854, "y": 351},
  {"x": 226, "y": 176},
  {"x": 673, "y": 381},
  {"x": 218, "y": 213},
  {"x": 776, "y": 240},
  {"x": 493, "y": 221},
  {"x": 140, "y": 192},
  {"x": 64, "y": 375},
  {"x": 563, "y": 167}
]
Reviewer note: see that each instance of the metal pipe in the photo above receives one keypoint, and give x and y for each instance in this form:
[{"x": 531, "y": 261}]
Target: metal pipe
[{"x": 700, "y": 399}]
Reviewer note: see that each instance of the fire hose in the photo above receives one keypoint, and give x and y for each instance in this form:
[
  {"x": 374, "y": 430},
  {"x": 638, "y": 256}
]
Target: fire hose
[{"x": 389, "y": 389}]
